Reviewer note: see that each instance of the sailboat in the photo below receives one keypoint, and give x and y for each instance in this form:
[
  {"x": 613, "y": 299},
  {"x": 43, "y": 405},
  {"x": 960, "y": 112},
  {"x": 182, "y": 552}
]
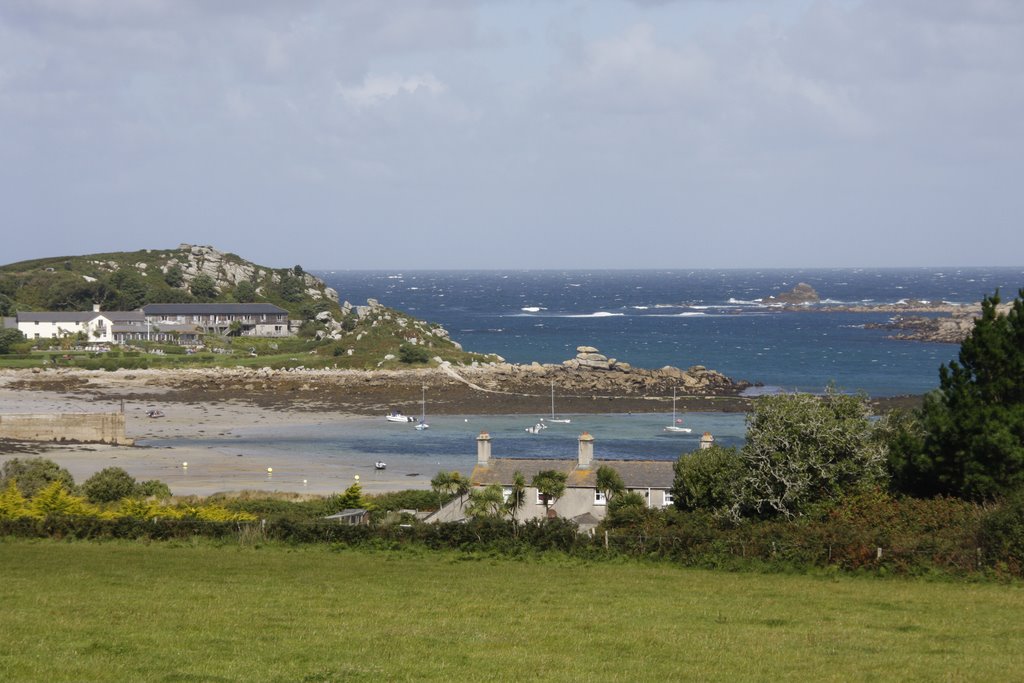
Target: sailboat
[
  {"x": 564, "y": 420},
  {"x": 675, "y": 426},
  {"x": 422, "y": 424}
]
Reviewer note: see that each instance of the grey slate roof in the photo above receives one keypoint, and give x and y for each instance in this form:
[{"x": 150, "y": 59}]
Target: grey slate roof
[
  {"x": 213, "y": 309},
  {"x": 79, "y": 316},
  {"x": 636, "y": 474},
  {"x": 56, "y": 316}
]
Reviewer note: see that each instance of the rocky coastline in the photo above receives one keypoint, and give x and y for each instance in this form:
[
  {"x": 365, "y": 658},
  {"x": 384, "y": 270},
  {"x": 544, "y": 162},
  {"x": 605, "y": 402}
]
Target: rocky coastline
[{"x": 587, "y": 383}]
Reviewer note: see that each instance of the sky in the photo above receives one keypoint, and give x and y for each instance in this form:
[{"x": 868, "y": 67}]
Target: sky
[{"x": 496, "y": 134}]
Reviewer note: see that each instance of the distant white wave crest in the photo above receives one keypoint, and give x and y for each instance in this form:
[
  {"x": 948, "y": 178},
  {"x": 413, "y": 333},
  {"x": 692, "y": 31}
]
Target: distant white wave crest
[
  {"x": 598, "y": 314},
  {"x": 533, "y": 309},
  {"x": 742, "y": 302}
]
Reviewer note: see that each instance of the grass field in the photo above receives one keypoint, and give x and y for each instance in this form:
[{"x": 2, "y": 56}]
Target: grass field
[{"x": 122, "y": 611}]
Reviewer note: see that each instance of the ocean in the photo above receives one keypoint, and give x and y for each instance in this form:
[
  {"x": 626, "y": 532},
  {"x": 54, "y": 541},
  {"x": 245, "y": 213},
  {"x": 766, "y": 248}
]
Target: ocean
[{"x": 653, "y": 318}]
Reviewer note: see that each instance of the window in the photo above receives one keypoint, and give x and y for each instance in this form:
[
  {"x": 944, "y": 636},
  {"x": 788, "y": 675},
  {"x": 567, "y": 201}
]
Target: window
[
  {"x": 540, "y": 498},
  {"x": 599, "y": 498},
  {"x": 505, "y": 493},
  {"x": 669, "y": 500}
]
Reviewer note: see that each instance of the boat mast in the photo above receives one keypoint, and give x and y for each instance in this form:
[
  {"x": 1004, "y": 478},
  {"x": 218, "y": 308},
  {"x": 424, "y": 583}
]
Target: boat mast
[{"x": 552, "y": 399}]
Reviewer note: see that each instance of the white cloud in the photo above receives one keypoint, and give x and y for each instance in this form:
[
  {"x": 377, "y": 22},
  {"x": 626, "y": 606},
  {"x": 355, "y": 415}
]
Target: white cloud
[{"x": 376, "y": 89}]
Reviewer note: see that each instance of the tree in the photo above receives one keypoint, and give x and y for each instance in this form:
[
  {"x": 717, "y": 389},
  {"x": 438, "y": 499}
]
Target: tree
[
  {"x": 292, "y": 288},
  {"x": 803, "y": 449},
  {"x": 971, "y": 442},
  {"x": 707, "y": 479},
  {"x": 129, "y": 290},
  {"x": 174, "y": 277},
  {"x": 550, "y": 484},
  {"x": 245, "y": 292},
  {"x": 154, "y": 488},
  {"x": 33, "y": 474},
  {"x": 297, "y": 270},
  {"x": 235, "y": 328},
  {"x": 448, "y": 485},
  {"x": 54, "y": 500},
  {"x": 517, "y": 495},
  {"x": 627, "y": 509},
  {"x": 351, "y": 499},
  {"x": 609, "y": 482},
  {"x": 12, "y": 503},
  {"x": 488, "y": 501},
  {"x": 203, "y": 287},
  {"x": 409, "y": 353},
  {"x": 8, "y": 338},
  {"x": 110, "y": 484}
]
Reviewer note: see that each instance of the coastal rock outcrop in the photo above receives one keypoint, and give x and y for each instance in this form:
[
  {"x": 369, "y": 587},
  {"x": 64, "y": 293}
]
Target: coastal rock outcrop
[{"x": 800, "y": 295}]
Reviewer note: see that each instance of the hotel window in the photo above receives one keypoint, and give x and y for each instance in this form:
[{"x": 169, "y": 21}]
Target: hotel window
[{"x": 599, "y": 498}]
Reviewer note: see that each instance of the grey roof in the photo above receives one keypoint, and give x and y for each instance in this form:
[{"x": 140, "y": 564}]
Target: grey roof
[
  {"x": 213, "y": 309},
  {"x": 56, "y": 316},
  {"x": 79, "y": 316},
  {"x": 348, "y": 513},
  {"x": 636, "y": 474}
]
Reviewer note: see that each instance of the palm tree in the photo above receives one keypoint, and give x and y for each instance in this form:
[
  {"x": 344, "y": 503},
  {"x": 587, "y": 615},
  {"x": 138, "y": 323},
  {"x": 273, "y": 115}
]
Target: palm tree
[
  {"x": 551, "y": 485},
  {"x": 517, "y": 496},
  {"x": 486, "y": 502},
  {"x": 447, "y": 485},
  {"x": 609, "y": 482}
]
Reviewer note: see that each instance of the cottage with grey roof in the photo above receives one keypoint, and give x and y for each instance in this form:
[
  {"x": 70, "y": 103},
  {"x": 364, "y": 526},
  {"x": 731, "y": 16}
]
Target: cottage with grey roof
[{"x": 582, "y": 501}]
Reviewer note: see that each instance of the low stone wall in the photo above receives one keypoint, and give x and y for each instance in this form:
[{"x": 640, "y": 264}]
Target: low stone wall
[{"x": 83, "y": 427}]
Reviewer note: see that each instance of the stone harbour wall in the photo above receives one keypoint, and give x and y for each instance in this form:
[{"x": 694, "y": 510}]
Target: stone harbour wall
[{"x": 82, "y": 427}]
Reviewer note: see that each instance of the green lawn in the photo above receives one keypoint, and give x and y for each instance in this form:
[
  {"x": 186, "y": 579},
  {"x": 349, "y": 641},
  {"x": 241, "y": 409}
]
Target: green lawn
[{"x": 121, "y": 611}]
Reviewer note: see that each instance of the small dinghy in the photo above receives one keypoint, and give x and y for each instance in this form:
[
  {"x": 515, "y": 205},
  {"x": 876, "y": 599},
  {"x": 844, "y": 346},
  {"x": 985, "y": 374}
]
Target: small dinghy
[{"x": 380, "y": 465}]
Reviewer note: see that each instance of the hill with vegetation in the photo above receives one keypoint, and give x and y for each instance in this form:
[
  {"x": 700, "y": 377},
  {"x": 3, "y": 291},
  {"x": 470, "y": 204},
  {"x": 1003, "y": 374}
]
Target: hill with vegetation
[
  {"x": 124, "y": 281},
  {"x": 332, "y": 333}
]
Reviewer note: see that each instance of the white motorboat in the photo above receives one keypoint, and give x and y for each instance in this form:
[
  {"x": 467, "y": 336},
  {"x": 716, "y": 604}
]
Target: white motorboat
[
  {"x": 380, "y": 465},
  {"x": 556, "y": 420},
  {"x": 397, "y": 416},
  {"x": 677, "y": 422},
  {"x": 537, "y": 428}
]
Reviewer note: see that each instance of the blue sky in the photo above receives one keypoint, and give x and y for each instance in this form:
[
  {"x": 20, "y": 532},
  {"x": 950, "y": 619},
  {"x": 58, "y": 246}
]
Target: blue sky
[{"x": 530, "y": 134}]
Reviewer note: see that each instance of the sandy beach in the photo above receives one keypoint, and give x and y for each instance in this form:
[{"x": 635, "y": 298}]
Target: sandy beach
[{"x": 216, "y": 406}]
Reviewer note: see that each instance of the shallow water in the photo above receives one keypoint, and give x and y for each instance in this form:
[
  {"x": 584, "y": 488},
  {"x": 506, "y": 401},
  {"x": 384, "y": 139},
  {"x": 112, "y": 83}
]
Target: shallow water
[{"x": 317, "y": 458}]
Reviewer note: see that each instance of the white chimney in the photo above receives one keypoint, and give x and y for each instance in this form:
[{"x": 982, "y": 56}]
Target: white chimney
[
  {"x": 586, "y": 455},
  {"x": 483, "y": 449},
  {"x": 95, "y": 308}
]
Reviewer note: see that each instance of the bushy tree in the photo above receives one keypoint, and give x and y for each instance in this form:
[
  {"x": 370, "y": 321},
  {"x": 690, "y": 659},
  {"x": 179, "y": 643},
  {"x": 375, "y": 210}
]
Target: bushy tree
[
  {"x": 154, "y": 488},
  {"x": 8, "y": 338},
  {"x": 803, "y": 450},
  {"x": 971, "y": 439},
  {"x": 174, "y": 276},
  {"x": 203, "y": 287},
  {"x": 128, "y": 290},
  {"x": 551, "y": 485},
  {"x": 245, "y": 292},
  {"x": 410, "y": 353},
  {"x": 34, "y": 474},
  {"x": 628, "y": 508},
  {"x": 708, "y": 479},
  {"x": 110, "y": 484},
  {"x": 292, "y": 288}
]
